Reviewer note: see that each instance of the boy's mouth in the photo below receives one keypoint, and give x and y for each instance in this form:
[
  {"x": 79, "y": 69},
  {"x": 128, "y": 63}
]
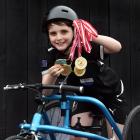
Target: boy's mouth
[{"x": 60, "y": 43}]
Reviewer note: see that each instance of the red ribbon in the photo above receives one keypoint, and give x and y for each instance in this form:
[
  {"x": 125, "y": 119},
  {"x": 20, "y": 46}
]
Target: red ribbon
[{"x": 84, "y": 32}]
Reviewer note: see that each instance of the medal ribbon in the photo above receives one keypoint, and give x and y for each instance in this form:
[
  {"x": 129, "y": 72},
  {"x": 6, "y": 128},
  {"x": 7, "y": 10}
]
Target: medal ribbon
[{"x": 84, "y": 32}]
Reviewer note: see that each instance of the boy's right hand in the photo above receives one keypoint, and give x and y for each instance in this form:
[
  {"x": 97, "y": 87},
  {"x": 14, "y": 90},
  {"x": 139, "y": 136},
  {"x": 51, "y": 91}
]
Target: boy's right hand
[{"x": 55, "y": 70}]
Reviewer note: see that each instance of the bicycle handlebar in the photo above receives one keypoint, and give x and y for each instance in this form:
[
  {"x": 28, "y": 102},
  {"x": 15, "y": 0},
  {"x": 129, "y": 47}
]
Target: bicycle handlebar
[{"x": 43, "y": 86}]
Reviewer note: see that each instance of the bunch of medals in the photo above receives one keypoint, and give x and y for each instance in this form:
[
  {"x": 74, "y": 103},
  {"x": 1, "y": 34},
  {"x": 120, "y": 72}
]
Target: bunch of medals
[{"x": 79, "y": 68}]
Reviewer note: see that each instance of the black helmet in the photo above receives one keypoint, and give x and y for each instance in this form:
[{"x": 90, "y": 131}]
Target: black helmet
[{"x": 62, "y": 12}]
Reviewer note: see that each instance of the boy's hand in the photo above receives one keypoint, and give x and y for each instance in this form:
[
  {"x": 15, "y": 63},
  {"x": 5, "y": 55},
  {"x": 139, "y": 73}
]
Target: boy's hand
[
  {"x": 66, "y": 68},
  {"x": 55, "y": 70}
]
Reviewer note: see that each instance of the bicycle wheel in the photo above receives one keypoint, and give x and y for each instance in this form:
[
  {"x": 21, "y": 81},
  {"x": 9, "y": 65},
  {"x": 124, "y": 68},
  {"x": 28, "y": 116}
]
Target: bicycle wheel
[
  {"x": 15, "y": 137},
  {"x": 53, "y": 112},
  {"x": 133, "y": 113}
]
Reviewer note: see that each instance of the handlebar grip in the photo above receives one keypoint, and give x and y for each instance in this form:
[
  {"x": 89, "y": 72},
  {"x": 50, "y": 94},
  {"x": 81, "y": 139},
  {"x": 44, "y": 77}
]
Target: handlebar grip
[
  {"x": 23, "y": 86},
  {"x": 73, "y": 88},
  {"x": 65, "y": 88},
  {"x": 15, "y": 86}
]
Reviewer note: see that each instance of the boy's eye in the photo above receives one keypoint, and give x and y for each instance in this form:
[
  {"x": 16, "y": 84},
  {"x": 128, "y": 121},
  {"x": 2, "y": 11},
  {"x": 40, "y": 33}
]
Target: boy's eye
[
  {"x": 64, "y": 31},
  {"x": 52, "y": 33}
]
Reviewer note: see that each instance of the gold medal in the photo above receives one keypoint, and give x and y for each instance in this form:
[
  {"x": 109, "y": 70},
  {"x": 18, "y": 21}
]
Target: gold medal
[
  {"x": 80, "y": 66},
  {"x": 80, "y": 63},
  {"x": 67, "y": 70},
  {"x": 79, "y": 72}
]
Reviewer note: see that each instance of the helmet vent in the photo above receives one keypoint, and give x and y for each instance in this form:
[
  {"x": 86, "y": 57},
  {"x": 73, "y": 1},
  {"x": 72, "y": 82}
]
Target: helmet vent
[{"x": 64, "y": 11}]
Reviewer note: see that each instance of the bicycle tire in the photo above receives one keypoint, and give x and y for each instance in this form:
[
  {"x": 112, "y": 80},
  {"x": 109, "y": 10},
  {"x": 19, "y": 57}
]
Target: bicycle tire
[
  {"x": 54, "y": 115},
  {"x": 133, "y": 113},
  {"x": 15, "y": 137}
]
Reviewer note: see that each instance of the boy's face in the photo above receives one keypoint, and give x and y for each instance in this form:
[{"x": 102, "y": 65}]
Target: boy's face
[{"x": 60, "y": 36}]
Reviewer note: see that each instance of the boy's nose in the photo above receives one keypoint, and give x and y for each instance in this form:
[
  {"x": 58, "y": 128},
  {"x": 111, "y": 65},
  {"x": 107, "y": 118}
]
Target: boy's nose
[{"x": 59, "y": 36}]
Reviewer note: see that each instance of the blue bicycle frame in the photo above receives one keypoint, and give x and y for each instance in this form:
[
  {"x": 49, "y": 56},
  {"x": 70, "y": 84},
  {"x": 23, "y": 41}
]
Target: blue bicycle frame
[{"x": 36, "y": 125}]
